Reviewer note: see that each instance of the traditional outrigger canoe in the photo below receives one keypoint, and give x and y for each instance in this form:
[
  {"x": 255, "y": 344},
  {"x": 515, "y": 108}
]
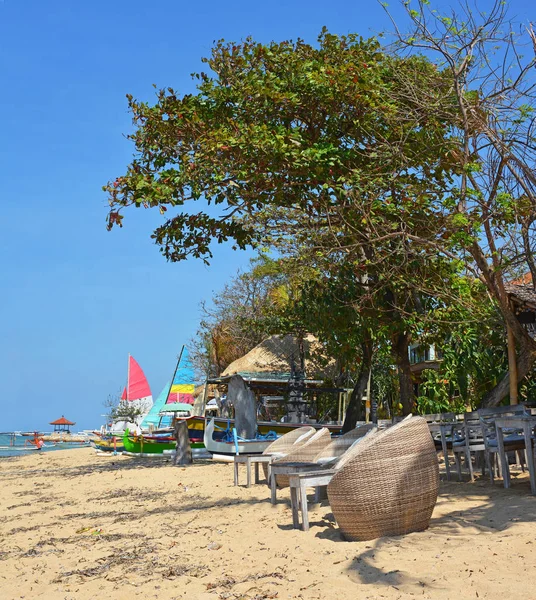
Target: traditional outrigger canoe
[
  {"x": 107, "y": 444},
  {"x": 227, "y": 447},
  {"x": 151, "y": 444},
  {"x": 196, "y": 427}
]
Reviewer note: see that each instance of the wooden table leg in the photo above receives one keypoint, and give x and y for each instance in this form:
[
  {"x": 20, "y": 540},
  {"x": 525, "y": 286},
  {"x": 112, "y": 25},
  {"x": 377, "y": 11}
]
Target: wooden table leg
[
  {"x": 268, "y": 472},
  {"x": 273, "y": 488},
  {"x": 235, "y": 472},
  {"x": 445, "y": 451},
  {"x": 304, "y": 507},
  {"x": 503, "y": 458},
  {"x": 294, "y": 502},
  {"x": 248, "y": 473},
  {"x": 530, "y": 457},
  {"x": 321, "y": 493}
]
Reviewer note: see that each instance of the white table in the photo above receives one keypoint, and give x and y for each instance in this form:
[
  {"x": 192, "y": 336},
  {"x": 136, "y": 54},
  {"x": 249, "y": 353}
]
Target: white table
[
  {"x": 299, "y": 482},
  {"x": 248, "y": 460}
]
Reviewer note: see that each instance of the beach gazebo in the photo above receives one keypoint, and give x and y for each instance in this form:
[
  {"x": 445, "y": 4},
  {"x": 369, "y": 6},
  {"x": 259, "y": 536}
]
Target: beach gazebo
[{"x": 62, "y": 424}]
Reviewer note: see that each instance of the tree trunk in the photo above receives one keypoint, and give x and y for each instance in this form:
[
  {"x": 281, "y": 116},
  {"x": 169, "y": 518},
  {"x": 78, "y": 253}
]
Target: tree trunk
[
  {"x": 525, "y": 362},
  {"x": 354, "y": 410},
  {"x": 183, "y": 453},
  {"x": 400, "y": 349}
]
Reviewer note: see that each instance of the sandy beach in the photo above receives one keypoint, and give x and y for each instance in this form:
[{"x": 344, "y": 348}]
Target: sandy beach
[{"x": 74, "y": 525}]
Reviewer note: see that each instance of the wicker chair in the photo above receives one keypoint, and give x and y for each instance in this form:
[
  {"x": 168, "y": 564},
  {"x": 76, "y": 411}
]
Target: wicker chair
[
  {"x": 303, "y": 453},
  {"x": 389, "y": 486},
  {"x": 330, "y": 454},
  {"x": 283, "y": 444}
]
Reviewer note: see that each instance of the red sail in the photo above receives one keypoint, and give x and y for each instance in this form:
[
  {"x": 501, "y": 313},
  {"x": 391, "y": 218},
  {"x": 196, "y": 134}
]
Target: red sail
[
  {"x": 137, "y": 383},
  {"x": 124, "y": 394}
]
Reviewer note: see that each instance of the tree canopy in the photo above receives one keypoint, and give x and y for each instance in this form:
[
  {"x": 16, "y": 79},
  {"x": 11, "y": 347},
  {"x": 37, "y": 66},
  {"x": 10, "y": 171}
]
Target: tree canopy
[{"x": 399, "y": 172}]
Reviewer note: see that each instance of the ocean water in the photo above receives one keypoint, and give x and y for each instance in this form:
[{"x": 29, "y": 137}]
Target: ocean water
[{"x": 23, "y": 447}]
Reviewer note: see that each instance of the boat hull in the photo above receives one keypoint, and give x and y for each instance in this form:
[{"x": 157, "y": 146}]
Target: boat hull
[
  {"x": 224, "y": 448},
  {"x": 196, "y": 427},
  {"x": 141, "y": 444},
  {"x": 107, "y": 445}
]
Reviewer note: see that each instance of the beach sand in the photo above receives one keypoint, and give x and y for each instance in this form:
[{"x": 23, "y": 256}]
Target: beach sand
[{"x": 75, "y": 525}]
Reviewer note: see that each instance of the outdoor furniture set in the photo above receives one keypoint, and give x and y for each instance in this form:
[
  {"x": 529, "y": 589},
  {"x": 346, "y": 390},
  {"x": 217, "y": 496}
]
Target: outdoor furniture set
[
  {"x": 378, "y": 481},
  {"x": 489, "y": 434}
]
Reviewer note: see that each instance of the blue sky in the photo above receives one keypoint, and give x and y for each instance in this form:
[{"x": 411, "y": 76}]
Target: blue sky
[{"x": 76, "y": 299}]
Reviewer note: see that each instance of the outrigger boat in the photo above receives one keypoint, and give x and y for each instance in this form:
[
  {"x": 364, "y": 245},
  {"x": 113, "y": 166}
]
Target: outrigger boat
[
  {"x": 175, "y": 399},
  {"x": 150, "y": 444},
  {"x": 108, "y": 443},
  {"x": 197, "y": 425},
  {"x": 229, "y": 445}
]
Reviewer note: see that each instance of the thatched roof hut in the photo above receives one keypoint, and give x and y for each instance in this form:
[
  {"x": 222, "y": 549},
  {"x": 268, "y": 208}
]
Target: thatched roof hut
[{"x": 276, "y": 356}]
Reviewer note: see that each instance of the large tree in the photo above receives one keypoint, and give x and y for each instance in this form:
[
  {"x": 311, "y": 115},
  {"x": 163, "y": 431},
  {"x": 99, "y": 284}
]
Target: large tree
[
  {"x": 390, "y": 162},
  {"x": 294, "y": 142},
  {"x": 491, "y": 206}
]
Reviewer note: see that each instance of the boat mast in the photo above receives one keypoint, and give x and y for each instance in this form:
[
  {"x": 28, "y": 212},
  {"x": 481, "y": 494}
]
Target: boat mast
[
  {"x": 175, "y": 372},
  {"x": 128, "y": 377}
]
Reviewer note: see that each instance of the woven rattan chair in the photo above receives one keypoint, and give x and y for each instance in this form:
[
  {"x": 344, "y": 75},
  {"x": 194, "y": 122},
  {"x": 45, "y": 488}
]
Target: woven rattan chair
[
  {"x": 329, "y": 457},
  {"x": 303, "y": 453},
  {"x": 328, "y": 461},
  {"x": 330, "y": 454},
  {"x": 389, "y": 485},
  {"x": 283, "y": 445}
]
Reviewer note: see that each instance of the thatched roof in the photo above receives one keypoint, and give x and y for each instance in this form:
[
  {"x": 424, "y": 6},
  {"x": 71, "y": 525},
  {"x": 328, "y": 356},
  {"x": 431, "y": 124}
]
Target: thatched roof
[
  {"x": 276, "y": 354},
  {"x": 521, "y": 293}
]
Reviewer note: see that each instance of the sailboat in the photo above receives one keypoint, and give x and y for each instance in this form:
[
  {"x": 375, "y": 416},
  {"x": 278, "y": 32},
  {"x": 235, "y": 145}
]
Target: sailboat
[
  {"x": 178, "y": 399},
  {"x": 137, "y": 394},
  {"x": 153, "y": 419}
]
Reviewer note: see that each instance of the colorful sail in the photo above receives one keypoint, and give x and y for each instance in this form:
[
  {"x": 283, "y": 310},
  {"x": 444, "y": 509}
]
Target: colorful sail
[
  {"x": 153, "y": 417},
  {"x": 137, "y": 385},
  {"x": 182, "y": 386},
  {"x": 138, "y": 393}
]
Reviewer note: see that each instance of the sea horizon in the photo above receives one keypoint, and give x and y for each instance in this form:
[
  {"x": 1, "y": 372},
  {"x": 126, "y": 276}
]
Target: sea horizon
[{"x": 23, "y": 445}]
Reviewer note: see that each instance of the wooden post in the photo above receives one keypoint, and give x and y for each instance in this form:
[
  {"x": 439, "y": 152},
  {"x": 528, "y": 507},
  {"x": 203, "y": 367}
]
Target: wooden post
[
  {"x": 512, "y": 365},
  {"x": 368, "y": 406},
  {"x": 183, "y": 453}
]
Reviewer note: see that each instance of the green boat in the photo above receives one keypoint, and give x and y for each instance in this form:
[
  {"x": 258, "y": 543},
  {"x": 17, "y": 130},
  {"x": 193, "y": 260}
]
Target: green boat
[
  {"x": 107, "y": 444},
  {"x": 152, "y": 444}
]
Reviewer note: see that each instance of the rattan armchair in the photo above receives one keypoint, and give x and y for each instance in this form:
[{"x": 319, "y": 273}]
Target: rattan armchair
[
  {"x": 283, "y": 444},
  {"x": 330, "y": 454},
  {"x": 302, "y": 453},
  {"x": 389, "y": 486}
]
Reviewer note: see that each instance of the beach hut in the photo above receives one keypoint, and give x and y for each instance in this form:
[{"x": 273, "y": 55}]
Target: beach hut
[
  {"x": 522, "y": 296},
  {"x": 275, "y": 368},
  {"x": 62, "y": 424}
]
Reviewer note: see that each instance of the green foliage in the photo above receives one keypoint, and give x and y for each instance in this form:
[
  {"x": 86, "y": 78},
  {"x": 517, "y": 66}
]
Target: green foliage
[
  {"x": 382, "y": 179},
  {"x": 385, "y": 385},
  {"x": 283, "y": 125},
  {"x": 126, "y": 411},
  {"x": 434, "y": 397},
  {"x": 471, "y": 340}
]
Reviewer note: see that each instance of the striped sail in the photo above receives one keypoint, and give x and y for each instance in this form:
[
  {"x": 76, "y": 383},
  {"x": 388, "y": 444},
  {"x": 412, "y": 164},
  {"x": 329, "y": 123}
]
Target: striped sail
[
  {"x": 153, "y": 417},
  {"x": 182, "y": 386}
]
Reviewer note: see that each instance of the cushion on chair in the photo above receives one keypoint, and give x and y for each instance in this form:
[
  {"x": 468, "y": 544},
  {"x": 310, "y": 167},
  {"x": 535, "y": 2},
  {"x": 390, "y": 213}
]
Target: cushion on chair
[{"x": 508, "y": 439}]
